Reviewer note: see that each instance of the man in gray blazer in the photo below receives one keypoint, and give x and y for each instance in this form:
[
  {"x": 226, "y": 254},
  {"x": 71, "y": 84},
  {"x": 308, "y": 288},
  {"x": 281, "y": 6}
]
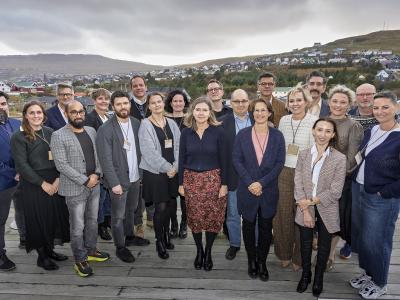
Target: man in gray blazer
[
  {"x": 119, "y": 153},
  {"x": 74, "y": 152}
]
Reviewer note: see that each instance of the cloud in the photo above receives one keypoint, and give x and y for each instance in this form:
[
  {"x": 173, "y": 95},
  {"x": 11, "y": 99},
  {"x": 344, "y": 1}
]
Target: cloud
[{"x": 178, "y": 28}]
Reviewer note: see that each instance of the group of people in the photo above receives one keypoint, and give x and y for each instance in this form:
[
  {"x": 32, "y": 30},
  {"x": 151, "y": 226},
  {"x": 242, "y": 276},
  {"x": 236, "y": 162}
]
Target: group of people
[{"x": 303, "y": 173}]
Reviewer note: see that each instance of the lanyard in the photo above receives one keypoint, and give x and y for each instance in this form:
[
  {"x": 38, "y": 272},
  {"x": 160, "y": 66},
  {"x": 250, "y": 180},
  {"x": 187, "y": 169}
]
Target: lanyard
[
  {"x": 258, "y": 141},
  {"x": 382, "y": 135},
  {"x": 162, "y": 127},
  {"x": 293, "y": 131},
  {"x": 43, "y": 138},
  {"x": 123, "y": 131},
  {"x": 140, "y": 108}
]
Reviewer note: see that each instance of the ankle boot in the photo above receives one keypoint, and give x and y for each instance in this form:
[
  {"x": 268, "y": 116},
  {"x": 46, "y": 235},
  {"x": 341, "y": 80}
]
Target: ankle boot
[
  {"x": 318, "y": 284},
  {"x": 174, "y": 229},
  {"x": 162, "y": 252},
  {"x": 183, "y": 230},
  {"x": 167, "y": 241},
  {"x": 263, "y": 271},
  {"x": 208, "y": 263},
  {"x": 198, "y": 261},
  {"x": 44, "y": 261},
  {"x": 304, "y": 282},
  {"x": 252, "y": 266}
]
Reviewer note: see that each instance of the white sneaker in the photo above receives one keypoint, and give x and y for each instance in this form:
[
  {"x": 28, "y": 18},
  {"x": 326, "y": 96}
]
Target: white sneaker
[
  {"x": 372, "y": 291},
  {"x": 359, "y": 281},
  {"x": 13, "y": 225}
]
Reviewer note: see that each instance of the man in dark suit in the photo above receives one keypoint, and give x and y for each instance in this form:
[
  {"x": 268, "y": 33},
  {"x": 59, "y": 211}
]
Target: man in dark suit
[
  {"x": 118, "y": 147},
  {"x": 139, "y": 111},
  {"x": 55, "y": 115},
  {"x": 266, "y": 85},
  {"x": 95, "y": 119},
  {"x": 8, "y": 177},
  {"x": 316, "y": 85},
  {"x": 232, "y": 123}
]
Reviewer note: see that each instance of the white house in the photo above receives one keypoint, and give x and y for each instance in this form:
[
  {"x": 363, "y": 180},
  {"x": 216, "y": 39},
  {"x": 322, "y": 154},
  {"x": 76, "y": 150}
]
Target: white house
[{"x": 4, "y": 87}]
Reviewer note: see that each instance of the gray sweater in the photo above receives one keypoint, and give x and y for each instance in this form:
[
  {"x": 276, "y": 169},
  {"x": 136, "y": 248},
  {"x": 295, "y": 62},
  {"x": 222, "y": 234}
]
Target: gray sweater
[{"x": 150, "y": 148}]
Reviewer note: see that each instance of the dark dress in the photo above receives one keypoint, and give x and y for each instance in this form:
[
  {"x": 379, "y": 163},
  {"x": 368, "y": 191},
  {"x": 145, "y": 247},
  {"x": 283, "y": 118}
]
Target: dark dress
[
  {"x": 46, "y": 217},
  {"x": 159, "y": 187}
]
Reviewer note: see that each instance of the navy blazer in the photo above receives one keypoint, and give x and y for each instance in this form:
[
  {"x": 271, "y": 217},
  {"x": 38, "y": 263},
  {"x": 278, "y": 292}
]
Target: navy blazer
[
  {"x": 324, "y": 109},
  {"x": 93, "y": 119},
  {"x": 7, "y": 166},
  {"x": 54, "y": 118},
  {"x": 246, "y": 164},
  {"x": 229, "y": 126}
]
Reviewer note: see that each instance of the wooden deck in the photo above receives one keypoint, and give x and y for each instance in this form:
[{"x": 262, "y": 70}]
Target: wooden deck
[{"x": 152, "y": 278}]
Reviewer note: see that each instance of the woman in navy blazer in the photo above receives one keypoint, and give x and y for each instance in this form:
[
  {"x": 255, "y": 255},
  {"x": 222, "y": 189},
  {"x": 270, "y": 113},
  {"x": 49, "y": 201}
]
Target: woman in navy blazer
[{"x": 258, "y": 157}]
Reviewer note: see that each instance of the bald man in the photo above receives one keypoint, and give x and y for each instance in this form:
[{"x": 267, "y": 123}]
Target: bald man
[
  {"x": 74, "y": 152},
  {"x": 362, "y": 113},
  {"x": 231, "y": 124}
]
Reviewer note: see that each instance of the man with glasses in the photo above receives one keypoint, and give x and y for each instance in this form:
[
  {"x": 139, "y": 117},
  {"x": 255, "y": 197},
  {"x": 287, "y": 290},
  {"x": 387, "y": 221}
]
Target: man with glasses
[
  {"x": 215, "y": 91},
  {"x": 316, "y": 85},
  {"x": 75, "y": 156},
  {"x": 232, "y": 123},
  {"x": 55, "y": 115},
  {"x": 266, "y": 85},
  {"x": 362, "y": 113}
]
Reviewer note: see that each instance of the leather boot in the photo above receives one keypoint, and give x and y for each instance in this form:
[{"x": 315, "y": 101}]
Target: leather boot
[
  {"x": 44, "y": 261},
  {"x": 198, "y": 261},
  {"x": 161, "y": 250},
  {"x": 208, "y": 263},
  {"x": 183, "y": 230},
  {"x": 167, "y": 240},
  {"x": 174, "y": 229},
  {"x": 304, "y": 282},
  {"x": 263, "y": 271},
  {"x": 318, "y": 284},
  {"x": 252, "y": 265}
]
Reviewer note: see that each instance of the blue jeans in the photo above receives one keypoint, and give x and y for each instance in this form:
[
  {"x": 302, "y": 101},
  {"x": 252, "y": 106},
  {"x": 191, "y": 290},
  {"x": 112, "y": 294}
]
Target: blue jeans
[
  {"x": 83, "y": 210},
  {"x": 104, "y": 204},
  {"x": 373, "y": 225},
  {"x": 233, "y": 220}
]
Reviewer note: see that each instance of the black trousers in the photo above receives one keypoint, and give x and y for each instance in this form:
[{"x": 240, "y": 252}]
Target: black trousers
[
  {"x": 174, "y": 208},
  {"x": 324, "y": 244},
  {"x": 345, "y": 204},
  {"x": 261, "y": 250},
  {"x": 161, "y": 218}
]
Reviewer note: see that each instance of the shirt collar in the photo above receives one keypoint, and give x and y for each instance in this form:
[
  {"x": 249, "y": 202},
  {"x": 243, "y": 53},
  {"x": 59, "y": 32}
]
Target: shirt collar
[
  {"x": 239, "y": 119},
  {"x": 314, "y": 151}
]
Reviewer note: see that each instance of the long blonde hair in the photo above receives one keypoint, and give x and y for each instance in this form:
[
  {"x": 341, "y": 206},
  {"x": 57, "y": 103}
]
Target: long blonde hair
[{"x": 190, "y": 122}]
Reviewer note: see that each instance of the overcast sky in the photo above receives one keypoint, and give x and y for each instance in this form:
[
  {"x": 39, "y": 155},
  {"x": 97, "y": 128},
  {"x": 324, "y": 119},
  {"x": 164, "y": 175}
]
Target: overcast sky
[{"x": 169, "y": 32}]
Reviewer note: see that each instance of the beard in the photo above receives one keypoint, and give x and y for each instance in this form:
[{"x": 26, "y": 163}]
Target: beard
[
  {"x": 123, "y": 114},
  {"x": 77, "y": 123},
  {"x": 3, "y": 116}
]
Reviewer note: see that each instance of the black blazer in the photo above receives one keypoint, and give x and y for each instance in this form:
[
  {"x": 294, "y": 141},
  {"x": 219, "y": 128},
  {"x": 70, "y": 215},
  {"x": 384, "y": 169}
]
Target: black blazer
[
  {"x": 93, "y": 120},
  {"x": 54, "y": 118},
  {"x": 324, "y": 109},
  {"x": 229, "y": 126},
  {"x": 135, "y": 111}
]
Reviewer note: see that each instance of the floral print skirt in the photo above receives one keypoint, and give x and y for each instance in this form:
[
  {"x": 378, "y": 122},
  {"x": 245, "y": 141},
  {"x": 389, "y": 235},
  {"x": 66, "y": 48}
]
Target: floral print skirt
[{"x": 205, "y": 211}]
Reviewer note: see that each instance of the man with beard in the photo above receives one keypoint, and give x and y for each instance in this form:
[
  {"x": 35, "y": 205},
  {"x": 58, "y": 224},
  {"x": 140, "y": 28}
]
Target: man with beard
[
  {"x": 8, "y": 177},
  {"x": 75, "y": 156},
  {"x": 118, "y": 147},
  {"x": 316, "y": 85}
]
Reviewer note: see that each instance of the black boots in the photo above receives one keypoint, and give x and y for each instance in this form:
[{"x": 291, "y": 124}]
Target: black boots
[
  {"x": 103, "y": 232},
  {"x": 304, "y": 282},
  {"x": 263, "y": 271},
  {"x": 318, "y": 281},
  {"x": 161, "y": 250},
  {"x": 167, "y": 240},
  {"x": 252, "y": 269},
  {"x": 174, "y": 229},
  {"x": 198, "y": 261},
  {"x": 208, "y": 263},
  {"x": 183, "y": 230},
  {"x": 44, "y": 261}
]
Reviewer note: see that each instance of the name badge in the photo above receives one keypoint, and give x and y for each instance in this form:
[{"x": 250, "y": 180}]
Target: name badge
[
  {"x": 358, "y": 158},
  {"x": 168, "y": 143},
  {"x": 50, "y": 155},
  {"x": 127, "y": 145},
  {"x": 293, "y": 149}
]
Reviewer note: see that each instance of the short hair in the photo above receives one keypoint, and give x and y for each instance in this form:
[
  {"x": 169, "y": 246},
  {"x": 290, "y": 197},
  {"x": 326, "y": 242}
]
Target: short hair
[
  {"x": 300, "y": 88},
  {"x": 149, "y": 96},
  {"x": 266, "y": 75},
  {"x": 217, "y": 82},
  {"x": 342, "y": 89},
  {"x": 317, "y": 74},
  {"x": 189, "y": 119},
  {"x": 171, "y": 95},
  {"x": 387, "y": 94},
  {"x": 118, "y": 94},
  {"x": 267, "y": 103},
  {"x": 101, "y": 92},
  {"x": 334, "y": 141},
  {"x": 5, "y": 95},
  {"x": 64, "y": 86},
  {"x": 138, "y": 76}
]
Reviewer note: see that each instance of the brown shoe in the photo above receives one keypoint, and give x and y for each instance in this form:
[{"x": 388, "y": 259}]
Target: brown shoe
[{"x": 139, "y": 231}]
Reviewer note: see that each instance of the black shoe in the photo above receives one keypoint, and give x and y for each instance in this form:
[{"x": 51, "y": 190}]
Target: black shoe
[
  {"x": 136, "y": 241},
  {"x": 161, "y": 250},
  {"x": 125, "y": 255},
  {"x": 167, "y": 242},
  {"x": 6, "y": 264},
  {"x": 252, "y": 268},
  {"x": 304, "y": 282},
  {"x": 56, "y": 256},
  {"x": 46, "y": 263},
  {"x": 263, "y": 271},
  {"x": 318, "y": 284},
  {"x": 198, "y": 261},
  {"x": 22, "y": 244},
  {"x": 103, "y": 232},
  {"x": 174, "y": 229},
  {"x": 183, "y": 230},
  {"x": 231, "y": 252},
  {"x": 208, "y": 263},
  {"x": 107, "y": 221}
]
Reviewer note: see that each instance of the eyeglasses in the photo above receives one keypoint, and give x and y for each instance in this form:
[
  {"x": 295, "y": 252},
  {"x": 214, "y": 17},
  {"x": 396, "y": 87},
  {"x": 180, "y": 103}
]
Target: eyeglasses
[
  {"x": 269, "y": 84},
  {"x": 239, "y": 102},
  {"x": 214, "y": 90},
  {"x": 65, "y": 95},
  {"x": 362, "y": 95},
  {"x": 74, "y": 113}
]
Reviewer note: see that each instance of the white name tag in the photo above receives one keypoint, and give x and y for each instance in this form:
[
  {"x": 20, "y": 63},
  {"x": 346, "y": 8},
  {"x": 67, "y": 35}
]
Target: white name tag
[
  {"x": 127, "y": 145},
  {"x": 168, "y": 143},
  {"x": 358, "y": 158}
]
